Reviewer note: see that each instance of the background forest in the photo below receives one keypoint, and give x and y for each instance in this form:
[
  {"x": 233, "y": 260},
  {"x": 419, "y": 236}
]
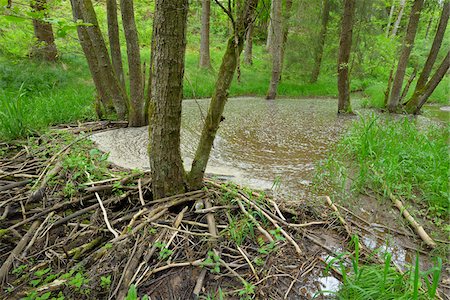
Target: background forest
[{"x": 62, "y": 92}]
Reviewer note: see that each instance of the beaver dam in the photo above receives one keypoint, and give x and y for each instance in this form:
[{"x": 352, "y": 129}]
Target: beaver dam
[{"x": 75, "y": 224}]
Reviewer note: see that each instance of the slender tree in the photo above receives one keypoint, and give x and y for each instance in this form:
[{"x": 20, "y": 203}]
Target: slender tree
[
  {"x": 94, "y": 48},
  {"x": 114, "y": 40},
  {"x": 427, "y": 68},
  {"x": 345, "y": 45},
  {"x": 391, "y": 14},
  {"x": 399, "y": 18},
  {"x": 276, "y": 48},
  {"x": 270, "y": 32},
  {"x": 248, "y": 51},
  {"x": 318, "y": 53},
  {"x": 205, "y": 57},
  {"x": 408, "y": 43},
  {"x": 432, "y": 83},
  {"x": 245, "y": 11},
  {"x": 136, "y": 116},
  {"x": 45, "y": 46}
]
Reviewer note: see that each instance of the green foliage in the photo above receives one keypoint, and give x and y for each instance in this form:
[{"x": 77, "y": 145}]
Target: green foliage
[
  {"x": 105, "y": 282},
  {"x": 132, "y": 294},
  {"x": 381, "y": 281},
  {"x": 413, "y": 163},
  {"x": 213, "y": 262},
  {"x": 164, "y": 252}
]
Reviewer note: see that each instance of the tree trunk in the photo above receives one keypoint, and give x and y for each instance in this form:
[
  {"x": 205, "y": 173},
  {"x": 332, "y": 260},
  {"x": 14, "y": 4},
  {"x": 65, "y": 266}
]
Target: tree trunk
[
  {"x": 223, "y": 82},
  {"x": 345, "y": 46},
  {"x": 427, "y": 68},
  {"x": 248, "y": 51},
  {"x": 95, "y": 47},
  {"x": 205, "y": 58},
  {"x": 169, "y": 38},
  {"x": 277, "y": 46},
  {"x": 136, "y": 115},
  {"x": 114, "y": 40},
  {"x": 431, "y": 85},
  {"x": 270, "y": 32},
  {"x": 321, "y": 41},
  {"x": 399, "y": 18},
  {"x": 45, "y": 47},
  {"x": 408, "y": 43},
  {"x": 391, "y": 14}
]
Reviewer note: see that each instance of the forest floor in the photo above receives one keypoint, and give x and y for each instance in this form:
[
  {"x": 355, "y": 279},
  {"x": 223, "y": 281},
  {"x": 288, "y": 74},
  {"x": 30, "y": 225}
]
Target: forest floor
[{"x": 75, "y": 226}]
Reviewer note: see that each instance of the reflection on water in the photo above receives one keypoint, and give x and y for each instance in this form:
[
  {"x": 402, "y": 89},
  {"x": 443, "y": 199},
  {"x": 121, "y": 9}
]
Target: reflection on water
[{"x": 267, "y": 140}]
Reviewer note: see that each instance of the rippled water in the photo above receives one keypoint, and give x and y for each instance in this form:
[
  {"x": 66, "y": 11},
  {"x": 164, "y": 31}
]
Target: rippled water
[{"x": 267, "y": 141}]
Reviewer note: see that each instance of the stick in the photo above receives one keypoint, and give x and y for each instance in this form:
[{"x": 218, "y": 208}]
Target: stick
[
  {"x": 252, "y": 218},
  {"x": 105, "y": 216},
  {"x": 4, "y": 270}
]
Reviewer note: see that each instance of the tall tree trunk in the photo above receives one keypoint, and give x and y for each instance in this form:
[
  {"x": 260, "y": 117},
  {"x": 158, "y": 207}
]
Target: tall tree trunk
[
  {"x": 220, "y": 96},
  {"x": 399, "y": 18},
  {"x": 427, "y": 68},
  {"x": 431, "y": 85},
  {"x": 114, "y": 40},
  {"x": 96, "y": 53},
  {"x": 248, "y": 51},
  {"x": 270, "y": 32},
  {"x": 136, "y": 115},
  {"x": 345, "y": 46},
  {"x": 391, "y": 14},
  {"x": 277, "y": 46},
  {"x": 45, "y": 46},
  {"x": 205, "y": 58},
  {"x": 408, "y": 43},
  {"x": 169, "y": 38},
  {"x": 321, "y": 41}
]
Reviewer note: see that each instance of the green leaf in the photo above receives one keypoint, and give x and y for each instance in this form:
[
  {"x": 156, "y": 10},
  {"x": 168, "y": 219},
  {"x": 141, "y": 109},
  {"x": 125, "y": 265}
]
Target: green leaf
[{"x": 14, "y": 19}]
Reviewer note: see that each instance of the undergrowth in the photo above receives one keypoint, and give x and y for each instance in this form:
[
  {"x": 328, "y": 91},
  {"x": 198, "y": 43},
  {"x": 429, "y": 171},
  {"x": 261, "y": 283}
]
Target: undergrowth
[
  {"x": 411, "y": 162},
  {"x": 382, "y": 281}
]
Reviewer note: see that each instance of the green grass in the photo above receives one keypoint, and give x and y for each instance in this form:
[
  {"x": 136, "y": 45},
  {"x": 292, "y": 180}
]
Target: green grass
[
  {"x": 36, "y": 95},
  {"x": 412, "y": 162},
  {"x": 383, "y": 282}
]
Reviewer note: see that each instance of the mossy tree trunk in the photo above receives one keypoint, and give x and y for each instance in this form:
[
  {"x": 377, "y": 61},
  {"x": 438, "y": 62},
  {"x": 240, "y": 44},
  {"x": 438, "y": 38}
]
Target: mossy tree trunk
[
  {"x": 114, "y": 40},
  {"x": 205, "y": 57},
  {"x": 169, "y": 40},
  {"x": 432, "y": 84},
  {"x": 136, "y": 115},
  {"x": 318, "y": 54},
  {"x": 408, "y": 43},
  {"x": 96, "y": 52},
  {"x": 245, "y": 11},
  {"x": 45, "y": 47},
  {"x": 345, "y": 46},
  {"x": 432, "y": 56}
]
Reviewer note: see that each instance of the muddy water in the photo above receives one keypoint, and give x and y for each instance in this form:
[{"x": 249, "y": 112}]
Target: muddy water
[{"x": 260, "y": 143}]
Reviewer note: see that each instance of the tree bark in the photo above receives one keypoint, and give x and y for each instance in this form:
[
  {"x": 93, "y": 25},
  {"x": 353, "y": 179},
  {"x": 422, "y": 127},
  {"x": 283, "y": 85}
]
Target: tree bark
[
  {"x": 321, "y": 41},
  {"x": 399, "y": 18},
  {"x": 136, "y": 115},
  {"x": 45, "y": 47},
  {"x": 277, "y": 46},
  {"x": 427, "y": 68},
  {"x": 223, "y": 82},
  {"x": 169, "y": 38},
  {"x": 430, "y": 86},
  {"x": 345, "y": 46},
  {"x": 95, "y": 45},
  {"x": 248, "y": 51},
  {"x": 408, "y": 43},
  {"x": 205, "y": 57},
  {"x": 270, "y": 32},
  {"x": 114, "y": 40},
  {"x": 391, "y": 14}
]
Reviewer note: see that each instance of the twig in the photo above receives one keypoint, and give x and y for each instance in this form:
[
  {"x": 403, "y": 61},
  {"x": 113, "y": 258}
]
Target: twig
[{"x": 105, "y": 216}]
